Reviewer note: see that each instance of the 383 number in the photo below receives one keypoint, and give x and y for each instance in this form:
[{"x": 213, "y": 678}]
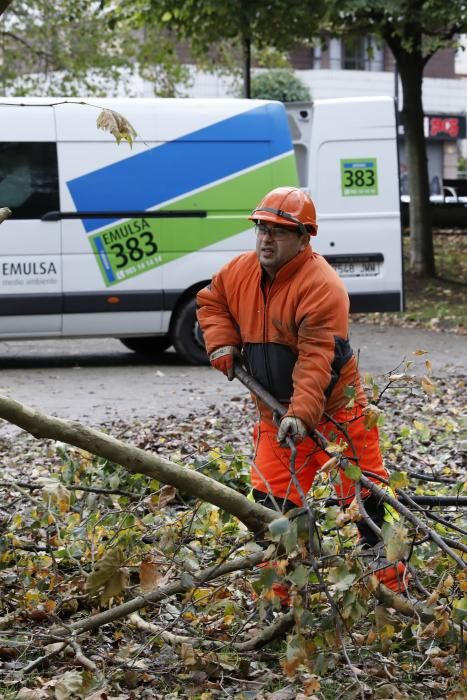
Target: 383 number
[{"x": 134, "y": 249}]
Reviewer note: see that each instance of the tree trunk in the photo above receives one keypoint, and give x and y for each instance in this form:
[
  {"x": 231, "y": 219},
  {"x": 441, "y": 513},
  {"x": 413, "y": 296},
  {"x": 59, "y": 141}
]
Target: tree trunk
[
  {"x": 4, "y": 5},
  {"x": 422, "y": 261},
  {"x": 246, "y": 54}
]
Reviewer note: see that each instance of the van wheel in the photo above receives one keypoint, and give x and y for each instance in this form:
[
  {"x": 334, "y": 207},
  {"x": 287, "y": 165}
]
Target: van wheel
[
  {"x": 187, "y": 336},
  {"x": 152, "y": 345}
]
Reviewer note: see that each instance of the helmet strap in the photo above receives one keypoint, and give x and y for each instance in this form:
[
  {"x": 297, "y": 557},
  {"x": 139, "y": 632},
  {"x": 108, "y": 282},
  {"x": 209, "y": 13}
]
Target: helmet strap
[{"x": 284, "y": 215}]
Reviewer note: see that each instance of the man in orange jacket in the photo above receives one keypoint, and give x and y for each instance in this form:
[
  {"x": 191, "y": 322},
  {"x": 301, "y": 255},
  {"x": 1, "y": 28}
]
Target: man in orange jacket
[{"x": 286, "y": 310}]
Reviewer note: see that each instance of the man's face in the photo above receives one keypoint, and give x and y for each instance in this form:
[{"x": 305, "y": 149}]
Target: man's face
[{"x": 276, "y": 245}]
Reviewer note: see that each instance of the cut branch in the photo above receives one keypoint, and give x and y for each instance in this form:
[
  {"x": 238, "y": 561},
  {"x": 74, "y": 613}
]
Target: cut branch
[
  {"x": 137, "y": 461},
  {"x": 162, "y": 593}
]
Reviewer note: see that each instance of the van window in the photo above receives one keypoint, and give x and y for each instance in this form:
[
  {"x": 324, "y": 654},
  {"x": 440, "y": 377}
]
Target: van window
[{"x": 29, "y": 178}]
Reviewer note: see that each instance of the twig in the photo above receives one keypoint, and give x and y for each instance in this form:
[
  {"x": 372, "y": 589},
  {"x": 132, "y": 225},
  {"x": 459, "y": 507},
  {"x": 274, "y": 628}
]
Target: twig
[
  {"x": 276, "y": 630},
  {"x": 167, "y": 636},
  {"x": 131, "y": 606},
  {"x": 361, "y": 507},
  {"x": 81, "y": 658},
  {"x": 42, "y": 659},
  {"x": 444, "y": 521},
  {"x": 73, "y": 487},
  {"x": 403, "y": 510},
  {"x": 424, "y": 477}
]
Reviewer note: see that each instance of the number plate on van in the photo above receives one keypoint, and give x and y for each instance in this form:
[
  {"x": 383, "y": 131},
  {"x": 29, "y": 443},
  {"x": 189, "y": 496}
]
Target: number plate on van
[{"x": 356, "y": 265}]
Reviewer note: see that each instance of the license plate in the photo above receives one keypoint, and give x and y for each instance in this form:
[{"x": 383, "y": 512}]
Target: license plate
[{"x": 357, "y": 269}]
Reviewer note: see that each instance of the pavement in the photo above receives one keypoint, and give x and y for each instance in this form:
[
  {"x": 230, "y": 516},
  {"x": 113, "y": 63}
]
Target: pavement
[{"x": 98, "y": 380}]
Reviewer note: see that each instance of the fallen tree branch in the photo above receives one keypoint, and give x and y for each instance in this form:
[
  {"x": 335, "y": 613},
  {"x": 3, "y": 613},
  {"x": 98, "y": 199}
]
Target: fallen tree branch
[
  {"x": 131, "y": 606},
  {"x": 137, "y": 461},
  {"x": 159, "y": 631},
  {"x": 419, "y": 524},
  {"x": 276, "y": 630},
  {"x": 390, "y": 599}
]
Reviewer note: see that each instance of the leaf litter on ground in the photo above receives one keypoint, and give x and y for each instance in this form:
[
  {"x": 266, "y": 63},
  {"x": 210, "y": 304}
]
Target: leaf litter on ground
[{"x": 55, "y": 566}]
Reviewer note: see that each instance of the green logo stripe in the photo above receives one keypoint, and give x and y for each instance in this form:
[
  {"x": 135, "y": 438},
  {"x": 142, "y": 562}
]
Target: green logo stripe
[{"x": 136, "y": 246}]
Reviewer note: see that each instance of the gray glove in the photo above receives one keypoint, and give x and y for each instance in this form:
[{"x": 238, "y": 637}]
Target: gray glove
[{"x": 293, "y": 428}]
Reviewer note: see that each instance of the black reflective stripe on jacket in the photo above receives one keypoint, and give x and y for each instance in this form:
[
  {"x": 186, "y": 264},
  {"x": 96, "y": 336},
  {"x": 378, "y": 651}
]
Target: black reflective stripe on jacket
[
  {"x": 342, "y": 354},
  {"x": 272, "y": 365}
]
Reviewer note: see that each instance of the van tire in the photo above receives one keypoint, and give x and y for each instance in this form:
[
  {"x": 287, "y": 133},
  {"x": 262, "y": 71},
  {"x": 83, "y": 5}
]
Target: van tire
[
  {"x": 186, "y": 335},
  {"x": 152, "y": 345}
]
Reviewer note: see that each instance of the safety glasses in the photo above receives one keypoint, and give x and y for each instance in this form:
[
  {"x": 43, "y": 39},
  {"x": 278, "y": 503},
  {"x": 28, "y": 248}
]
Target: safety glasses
[{"x": 275, "y": 232}]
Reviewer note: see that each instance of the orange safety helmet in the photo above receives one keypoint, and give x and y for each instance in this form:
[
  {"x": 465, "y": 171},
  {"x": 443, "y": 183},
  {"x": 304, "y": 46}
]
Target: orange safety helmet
[{"x": 286, "y": 206}]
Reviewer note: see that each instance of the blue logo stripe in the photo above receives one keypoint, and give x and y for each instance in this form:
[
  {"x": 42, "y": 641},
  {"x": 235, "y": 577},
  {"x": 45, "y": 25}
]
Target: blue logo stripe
[
  {"x": 163, "y": 173},
  {"x": 105, "y": 260}
]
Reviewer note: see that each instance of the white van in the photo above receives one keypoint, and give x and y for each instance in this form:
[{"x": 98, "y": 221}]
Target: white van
[{"x": 105, "y": 240}]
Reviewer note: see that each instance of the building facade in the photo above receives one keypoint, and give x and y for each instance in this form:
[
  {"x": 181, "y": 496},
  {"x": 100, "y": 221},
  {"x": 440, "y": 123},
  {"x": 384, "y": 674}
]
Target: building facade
[{"x": 361, "y": 66}]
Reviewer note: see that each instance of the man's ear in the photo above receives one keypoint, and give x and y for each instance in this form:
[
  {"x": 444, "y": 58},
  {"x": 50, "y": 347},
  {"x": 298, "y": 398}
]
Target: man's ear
[{"x": 305, "y": 241}]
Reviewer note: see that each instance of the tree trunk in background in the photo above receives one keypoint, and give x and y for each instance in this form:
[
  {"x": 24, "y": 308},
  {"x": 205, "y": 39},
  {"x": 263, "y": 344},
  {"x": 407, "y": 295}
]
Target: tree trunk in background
[
  {"x": 4, "y": 5},
  {"x": 422, "y": 261},
  {"x": 246, "y": 51}
]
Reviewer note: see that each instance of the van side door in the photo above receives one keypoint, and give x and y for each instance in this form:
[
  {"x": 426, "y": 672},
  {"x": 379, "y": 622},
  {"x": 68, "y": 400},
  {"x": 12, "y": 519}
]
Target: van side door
[
  {"x": 111, "y": 284},
  {"x": 30, "y": 247}
]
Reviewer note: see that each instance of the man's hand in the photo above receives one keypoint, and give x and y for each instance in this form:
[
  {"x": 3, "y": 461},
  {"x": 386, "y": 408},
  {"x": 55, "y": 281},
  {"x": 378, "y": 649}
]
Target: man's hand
[
  {"x": 223, "y": 359},
  {"x": 293, "y": 428}
]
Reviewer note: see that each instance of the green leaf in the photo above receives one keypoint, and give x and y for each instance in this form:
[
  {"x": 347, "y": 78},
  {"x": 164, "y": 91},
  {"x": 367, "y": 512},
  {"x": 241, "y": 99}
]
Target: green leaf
[
  {"x": 341, "y": 577},
  {"x": 279, "y": 527},
  {"x": 353, "y": 472},
  {"x": 399, "y": 480},
  {"x": 268, "y": 576},
  {"x": 299, "y": 576},
  {"x": 395, "y": 537},
  {"x": 459, "y": 613}
]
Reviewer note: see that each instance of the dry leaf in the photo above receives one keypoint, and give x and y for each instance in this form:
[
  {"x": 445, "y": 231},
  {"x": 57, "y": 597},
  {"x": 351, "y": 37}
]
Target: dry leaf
[
  {"x": 427, "y": 385},
  {"x": 32, "y": 694},
  {"x": 150, "y": 575},
  {"x": 353, "y": 512},
  {"x": 371, "y": 413},
  {"x": 187, "y": 654},
  {"x": 117, "y": 125},
  {"x": 5, "y": 212},
  {"x": 166, "y": 495},
  {"x": 104, "y": 570},
  {"x": 53, "y": 489}
]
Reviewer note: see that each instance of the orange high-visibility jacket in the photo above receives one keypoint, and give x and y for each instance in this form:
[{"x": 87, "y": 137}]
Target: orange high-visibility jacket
[{"x": 294, "y": 336}]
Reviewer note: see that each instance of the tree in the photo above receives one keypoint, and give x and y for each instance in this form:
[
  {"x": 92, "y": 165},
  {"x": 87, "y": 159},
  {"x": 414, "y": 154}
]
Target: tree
[
  {"x": 77, "y": 47},
  {"x": 4, "y": 5},
  {"x": 279, "y": 84},
  {"x": 414, "y": 31},
  {"x": 215, "y": 30}
]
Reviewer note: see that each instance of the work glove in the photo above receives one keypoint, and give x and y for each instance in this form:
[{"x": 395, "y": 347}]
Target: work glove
[
  {"x": 224, "y": 358},
  {"x": 293, "y": 428}
]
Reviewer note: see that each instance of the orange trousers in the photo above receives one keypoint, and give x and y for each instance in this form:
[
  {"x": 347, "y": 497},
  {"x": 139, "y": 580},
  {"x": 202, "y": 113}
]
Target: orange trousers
[{"x": 270, "y": 472}]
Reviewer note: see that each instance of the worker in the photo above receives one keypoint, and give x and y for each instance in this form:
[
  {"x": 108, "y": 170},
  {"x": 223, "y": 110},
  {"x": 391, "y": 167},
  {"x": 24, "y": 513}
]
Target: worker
[{"x": 284, "y": 310}]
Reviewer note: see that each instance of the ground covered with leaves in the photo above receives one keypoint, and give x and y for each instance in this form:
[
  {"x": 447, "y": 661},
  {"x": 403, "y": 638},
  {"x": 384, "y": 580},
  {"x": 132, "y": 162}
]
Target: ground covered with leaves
[
  {"x": 439, "y": 304},
  {"x": 81, "y": 535}
]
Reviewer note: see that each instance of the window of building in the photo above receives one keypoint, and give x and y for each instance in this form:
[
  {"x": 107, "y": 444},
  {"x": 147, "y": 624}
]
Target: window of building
[
  {"x": 355, "y": 53},
  {"x": 29, "y": 178}
]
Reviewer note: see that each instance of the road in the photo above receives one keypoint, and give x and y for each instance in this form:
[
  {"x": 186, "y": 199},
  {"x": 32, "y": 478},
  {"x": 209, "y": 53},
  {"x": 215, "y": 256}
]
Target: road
[{"x": 97, "y": 381}]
